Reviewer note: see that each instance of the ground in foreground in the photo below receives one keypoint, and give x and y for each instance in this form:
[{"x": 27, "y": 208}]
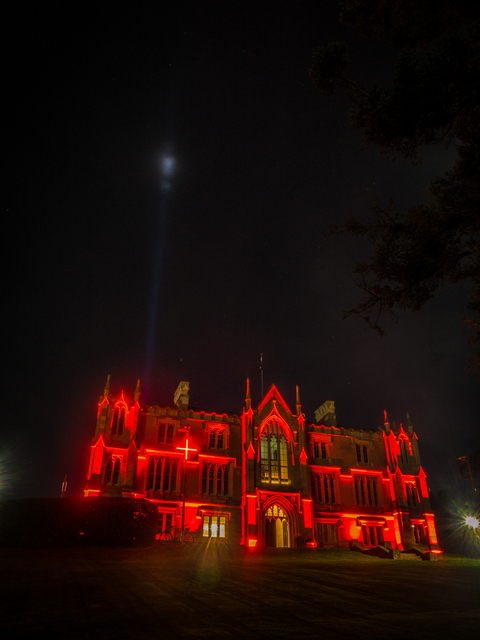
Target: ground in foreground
[{"x": 215, "y": 592}]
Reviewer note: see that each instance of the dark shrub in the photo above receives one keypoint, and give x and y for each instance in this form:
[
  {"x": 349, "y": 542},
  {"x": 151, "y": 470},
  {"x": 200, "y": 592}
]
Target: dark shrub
[{"x": 119, "y": 522}]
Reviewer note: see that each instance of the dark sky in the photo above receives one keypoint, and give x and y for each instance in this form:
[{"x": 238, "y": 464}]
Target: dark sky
[{"x": 114, "y": 267}]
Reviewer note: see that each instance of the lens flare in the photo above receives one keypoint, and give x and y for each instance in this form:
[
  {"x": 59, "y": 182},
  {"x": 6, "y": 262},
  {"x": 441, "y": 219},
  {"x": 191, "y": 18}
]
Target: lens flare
[{"x": 472, "y": 522}]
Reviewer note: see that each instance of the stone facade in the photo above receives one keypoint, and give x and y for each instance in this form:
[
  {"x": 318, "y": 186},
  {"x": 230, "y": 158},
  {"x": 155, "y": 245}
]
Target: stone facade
[{"x": 265, "y": 478}]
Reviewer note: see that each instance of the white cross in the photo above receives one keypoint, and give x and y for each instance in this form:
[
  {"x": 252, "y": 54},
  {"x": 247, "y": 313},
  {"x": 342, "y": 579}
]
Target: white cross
[{"x": 186, "y": 448}]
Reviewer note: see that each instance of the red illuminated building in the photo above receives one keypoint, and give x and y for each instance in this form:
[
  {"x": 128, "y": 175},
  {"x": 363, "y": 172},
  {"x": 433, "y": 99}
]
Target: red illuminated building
[{"x": 265, "y": 478}]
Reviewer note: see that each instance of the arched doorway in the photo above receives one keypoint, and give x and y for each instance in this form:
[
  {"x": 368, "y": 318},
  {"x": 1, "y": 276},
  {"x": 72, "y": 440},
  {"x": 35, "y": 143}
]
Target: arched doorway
[{"x": 277, "y": 530}]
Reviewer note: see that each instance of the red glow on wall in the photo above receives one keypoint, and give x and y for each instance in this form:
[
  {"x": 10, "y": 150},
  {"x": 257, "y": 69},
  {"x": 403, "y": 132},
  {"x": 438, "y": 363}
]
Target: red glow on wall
[
  {"x": 423, "y": 483},
  {"x": 252, "y": 509},
  {"x": 157, "y": 451},
  {"x": 275, "y": 395},
  {"x": 100, "y": 405},
  {"x": 307, "y": 513},
  {"x": 121, "y": 403},
  {"x": 432, "y": 533},
  {"x": 97, "y": 460},
  {"x": 210, "y": 458},
  {"x": 369, "y": 472}
]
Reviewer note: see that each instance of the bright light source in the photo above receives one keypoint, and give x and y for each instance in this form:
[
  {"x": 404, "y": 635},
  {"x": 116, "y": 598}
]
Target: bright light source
[
  {"x": 472, "y": 522},
  {"x": 167, "y": 166},
  {"x": 252, "y": 542}
]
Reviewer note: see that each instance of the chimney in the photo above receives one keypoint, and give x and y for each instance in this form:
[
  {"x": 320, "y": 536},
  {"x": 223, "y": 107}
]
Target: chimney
[
  {"x": 181, "y": 397},
  {"x": 326, "y": 414}
]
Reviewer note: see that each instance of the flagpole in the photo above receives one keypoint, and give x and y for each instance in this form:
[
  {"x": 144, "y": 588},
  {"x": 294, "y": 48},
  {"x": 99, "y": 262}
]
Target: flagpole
[{"x": 261, "y": 375}]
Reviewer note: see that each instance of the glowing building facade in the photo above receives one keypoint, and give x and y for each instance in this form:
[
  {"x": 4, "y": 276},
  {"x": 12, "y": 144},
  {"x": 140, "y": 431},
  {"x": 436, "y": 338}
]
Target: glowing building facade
[{"x": 264, "y": 478}]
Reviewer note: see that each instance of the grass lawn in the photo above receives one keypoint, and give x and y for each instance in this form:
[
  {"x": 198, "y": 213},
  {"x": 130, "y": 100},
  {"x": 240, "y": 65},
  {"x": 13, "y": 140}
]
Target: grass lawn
[{"x": 171, "y": 591}]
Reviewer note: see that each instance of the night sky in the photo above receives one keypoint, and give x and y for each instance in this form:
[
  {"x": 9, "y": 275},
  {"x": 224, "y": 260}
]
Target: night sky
[{"x": 172, "y": 178}]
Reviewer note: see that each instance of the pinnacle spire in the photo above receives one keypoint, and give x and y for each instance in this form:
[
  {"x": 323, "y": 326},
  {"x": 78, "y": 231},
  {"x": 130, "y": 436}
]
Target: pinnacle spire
[
  {"x": 297, "y": 400},
  {"x": 409, "y": 424},
  {"x": 386, "y": 423},
  {"x": 248, "y": 399},
  {"x": 106, "y": 391},
  {"x": 137, "y": 391}
]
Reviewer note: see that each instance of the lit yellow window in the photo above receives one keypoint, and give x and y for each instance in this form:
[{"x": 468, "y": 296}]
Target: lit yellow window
[
  {"x": 206, "y": 526},
  {"x": 221, "y": 531}
]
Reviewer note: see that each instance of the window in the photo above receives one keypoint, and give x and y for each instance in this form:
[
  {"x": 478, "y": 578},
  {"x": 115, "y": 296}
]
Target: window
[
  {"x": 323, "y": 487},
  {"x": 412, "y": 494},
  {"x": 113, "y": 470},
  {"x": 165, "y": 432},
  {"x": 404, "y": 452},
  {"x": 326, "y": 534},
  {"x": 162, "y": 474},
  {"x": 362, "y": 453},
  {"x": 418, "y": 531},
  {"x": 274, "y": 454},
  {"x": 372, "y": 535},
  {"x": 320, "y": 449},
  {"x": 366, "y": 491},
  {"x": 216, "y": 439},
  {"x": 214, "y": 526},
  {"x": 215, "y": 479},
  {"x": 118, "y": 421}
]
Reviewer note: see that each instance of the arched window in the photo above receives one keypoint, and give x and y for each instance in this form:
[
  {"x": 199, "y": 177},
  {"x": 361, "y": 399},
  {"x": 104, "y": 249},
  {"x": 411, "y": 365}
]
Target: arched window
[
  {"x": 118, "y": 421},
  {"x": 113, "y": 470},
  {"x": 215, "y": 479},
  {"x": 277, "y": 532},
  {"x": 320, "y": 449},
  {"x": 323, "y": 487},
  {"x": 165, "y": 432},
  {"x": 274, "y": 454},
  {"x": 404, "y": 450},
  {"x": 162, "y": 475}
]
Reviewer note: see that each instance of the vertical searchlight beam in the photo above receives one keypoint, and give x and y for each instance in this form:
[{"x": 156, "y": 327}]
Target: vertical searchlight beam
[{"x": 167, "y": 167}]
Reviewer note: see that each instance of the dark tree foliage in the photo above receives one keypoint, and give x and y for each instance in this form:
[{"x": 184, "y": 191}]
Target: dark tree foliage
[
  {"x": 433, "y": 98},
  {"x": 469, "y": 467}
]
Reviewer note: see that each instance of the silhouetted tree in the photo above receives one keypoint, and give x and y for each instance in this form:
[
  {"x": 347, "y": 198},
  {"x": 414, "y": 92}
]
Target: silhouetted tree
[{"x": 433, "y": 98}]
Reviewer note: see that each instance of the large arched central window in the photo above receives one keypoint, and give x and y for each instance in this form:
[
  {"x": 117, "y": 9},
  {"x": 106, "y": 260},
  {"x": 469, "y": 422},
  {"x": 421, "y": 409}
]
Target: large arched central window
[{"x": 274, "y": 454}]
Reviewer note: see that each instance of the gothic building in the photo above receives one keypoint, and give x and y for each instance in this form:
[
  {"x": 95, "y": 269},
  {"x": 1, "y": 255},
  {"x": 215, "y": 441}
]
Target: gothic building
[{"x": 265, "y": 478}]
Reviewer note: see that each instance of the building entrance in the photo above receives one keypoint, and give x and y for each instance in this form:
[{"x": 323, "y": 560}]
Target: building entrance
[{"x": 277, "y": 530}]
